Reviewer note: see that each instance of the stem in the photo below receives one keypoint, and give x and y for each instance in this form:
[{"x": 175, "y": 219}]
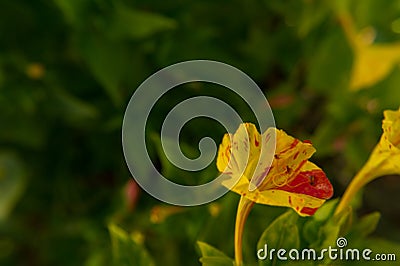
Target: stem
[
  {"x": 243, "y": 211},
  {"x": 360, "y": 180},
  {"x": 350, "y": 192}
]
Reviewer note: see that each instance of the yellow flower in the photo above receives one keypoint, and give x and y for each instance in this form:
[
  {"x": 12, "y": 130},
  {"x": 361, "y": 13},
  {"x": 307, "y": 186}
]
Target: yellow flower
[
  {"x": 268, "y": 172},
  {"x": 391, "y": 129},
  {"x": 384, "y": 159},
  {"x": 290, "y": 180},
  {"x": 372, "y": 62}
]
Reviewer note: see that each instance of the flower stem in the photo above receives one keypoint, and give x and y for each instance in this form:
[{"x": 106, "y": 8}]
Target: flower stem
[
  {"x": 243, "y": 211},
  {"x": 349, "y": 194},
  {"x": 362, "y": 178}
]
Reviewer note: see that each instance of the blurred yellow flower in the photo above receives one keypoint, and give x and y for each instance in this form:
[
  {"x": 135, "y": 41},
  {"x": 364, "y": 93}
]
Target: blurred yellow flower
[
  {"x": 372, "y": 62},
  {"x": 384, "y": 159},
  {"x": 35, "y": 71},
  {"x": 290, "y": 180}
]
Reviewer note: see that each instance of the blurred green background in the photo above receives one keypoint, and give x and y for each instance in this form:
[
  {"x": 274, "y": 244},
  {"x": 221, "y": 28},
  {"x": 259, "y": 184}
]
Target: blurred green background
[{"x": 69, "y": 67}]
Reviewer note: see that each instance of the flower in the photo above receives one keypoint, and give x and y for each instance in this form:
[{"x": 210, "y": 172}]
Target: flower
[
  {"x": 270, "y": 172},
  {"x": 372, "y": 61},
  {"x": 384, "y": 159},
  {"x": 391, "y": 130},
  {"x": 286, "y": 179}
]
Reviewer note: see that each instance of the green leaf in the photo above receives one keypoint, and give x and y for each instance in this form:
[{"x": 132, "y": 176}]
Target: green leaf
[
  {"x": 12, "y": 182},
  {"x": 329, "y": 232},
  {"x": 72, "y": 108},
  {"x": 312, "y": 226},
  {"x": 108, "y": 61},
  {"x": 209, "y": 251},
  {"x": 2, "y": 76},
  {"x": 326, "y": 210},
  {"x": 126, "y": 251},
  {"x": 282, "y": 233},
  {"x": 366, "y": 225},
  {"x": 211, "y": 256},
  {"x": 172, "y": 172},
  {"x": 378, "y": 246},
  {"x": 216, "y": 261},
  {"x": 137, "y": 24},
  {"x": 72, "y": 10},
  {"x": 336, "y": 226},
  {"x": 320, "y": 78},
  {"x": 312, "y": 15}
]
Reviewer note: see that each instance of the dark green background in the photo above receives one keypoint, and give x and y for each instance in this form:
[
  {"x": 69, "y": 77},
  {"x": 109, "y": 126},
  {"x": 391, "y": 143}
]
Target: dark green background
[{"x": 69, "y": 67}]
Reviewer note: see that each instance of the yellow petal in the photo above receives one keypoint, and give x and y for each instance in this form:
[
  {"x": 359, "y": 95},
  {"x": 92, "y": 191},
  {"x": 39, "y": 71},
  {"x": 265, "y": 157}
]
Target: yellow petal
[
  {"x": 391, "y": 127},
  {"x": 263, "y": 165},
  {"x": 290, "y": 155},
  {"x": 304, "y": 205},
  {"x": 301, "y": 202},
  {"x": 288, "y": 181},
  {"x": 385, "y": 159},
  {"x": 238, "y": 153},
  {"x": 224, "y": 153},
  {"x": 373, "y": 63}
]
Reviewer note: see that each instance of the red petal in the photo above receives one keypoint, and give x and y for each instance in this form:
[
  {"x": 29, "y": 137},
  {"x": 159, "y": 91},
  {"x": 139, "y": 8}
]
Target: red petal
[
  {"x": 313, "y": 183},
  {"x": 308, "y": 211}
]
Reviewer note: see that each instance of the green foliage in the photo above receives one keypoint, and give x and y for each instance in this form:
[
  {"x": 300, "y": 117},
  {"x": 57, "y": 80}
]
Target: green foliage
[
  {"x": 12, "y": 182},
  {"x": 211, "y": 256},
  {"x": 282, "y": 233},
  {"x": 68, "y": 69},
  {"x": 126, "y": 251},
  {"x": 320, "y": 231}
]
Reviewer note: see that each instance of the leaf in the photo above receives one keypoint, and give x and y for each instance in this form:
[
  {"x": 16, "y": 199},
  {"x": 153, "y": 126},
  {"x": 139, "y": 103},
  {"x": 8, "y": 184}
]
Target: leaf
[
  {"x": 209, "y": 251},
  {"x": 332, "y": 55},
  {"x": 387, "y": 92},
  {"x": 171, "y": 171},
  {"x": 312, "y": 15},
  {"x": 72, "y": 9},
  {"x": 212, "y": 256},
  {"x": 281, "y": 233},
  {"x": 366, "y": 225},
  {"x": 12, "y": 182},
  {"x": 312, "y": 226},
  {"x": 108, "y": 61},
  {"x": 326, "y": 210},
  {"x": 137, "y": 24},
  {"x": 2, "y": 76},
  {"x": 334, "y": 228},
  {"x": 126, "y": 251},
  {"x": 379, "y": 246},
  {"x": 72, "y": 108},
  {"x": 216, "y": 261}
]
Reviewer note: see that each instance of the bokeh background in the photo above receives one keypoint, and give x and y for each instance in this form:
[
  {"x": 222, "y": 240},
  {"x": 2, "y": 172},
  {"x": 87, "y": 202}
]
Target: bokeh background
[{"x": 69, "y": 67}]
